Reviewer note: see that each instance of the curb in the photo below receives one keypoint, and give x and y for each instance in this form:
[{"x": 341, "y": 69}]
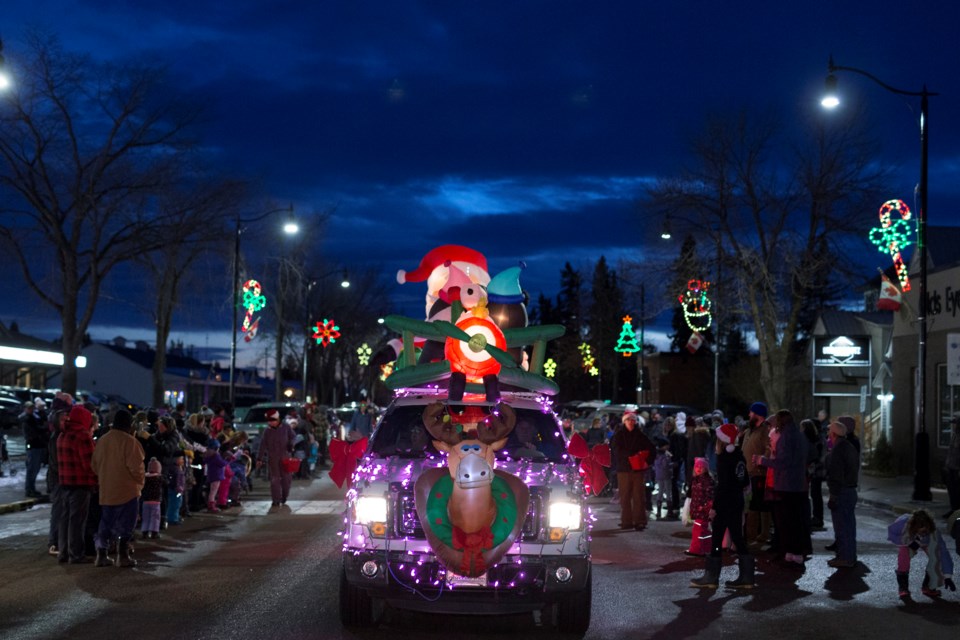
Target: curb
[{"x": 19, "y": 505}]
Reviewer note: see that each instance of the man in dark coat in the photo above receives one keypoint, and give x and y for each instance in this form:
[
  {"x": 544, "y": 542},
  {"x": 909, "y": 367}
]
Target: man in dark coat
[
  {"x": 36, "y": 436},
  {"x": 843, "y": 471}
]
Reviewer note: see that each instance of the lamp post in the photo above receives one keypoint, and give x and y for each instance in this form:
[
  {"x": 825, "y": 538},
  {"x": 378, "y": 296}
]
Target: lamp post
[
  {"x": 345, "y": 284},
  {"x": 921, "y": 479},
  {"x": 290, "y": 227}
]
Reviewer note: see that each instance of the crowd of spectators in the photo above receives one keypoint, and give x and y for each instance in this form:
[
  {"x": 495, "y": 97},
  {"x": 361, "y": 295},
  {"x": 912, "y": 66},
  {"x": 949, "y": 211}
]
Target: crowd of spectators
[{"x": 112, "y": 474}]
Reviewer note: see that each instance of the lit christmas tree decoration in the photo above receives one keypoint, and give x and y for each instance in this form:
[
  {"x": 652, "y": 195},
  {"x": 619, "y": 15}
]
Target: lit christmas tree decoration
[
  {"x": 892, "y": 236},
  {"x": 696, "y": 305},
  {"x": 363, "y": 354},
  {"x": 627, "y": 343},
  {"x": 550, "y": 368},
  {"x": 326, "y": 332}
]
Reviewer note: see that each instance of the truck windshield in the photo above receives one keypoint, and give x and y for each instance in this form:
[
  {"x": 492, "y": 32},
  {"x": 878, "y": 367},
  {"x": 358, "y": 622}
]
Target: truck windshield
[{"x": 536, "y": 436}]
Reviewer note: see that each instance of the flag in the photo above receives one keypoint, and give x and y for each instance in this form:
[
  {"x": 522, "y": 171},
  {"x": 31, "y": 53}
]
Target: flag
[
  {"x": 252, "y": 331},
  {"x": 890, "y": 297},
  {"x": 694, "y": 342}
]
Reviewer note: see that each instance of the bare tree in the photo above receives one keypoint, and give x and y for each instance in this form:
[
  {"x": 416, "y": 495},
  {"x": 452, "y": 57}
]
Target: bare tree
[
  {"x": 777, "y": 217},
  {"x": 196, "y": 221},
  {"x": 84, "y": 147}
]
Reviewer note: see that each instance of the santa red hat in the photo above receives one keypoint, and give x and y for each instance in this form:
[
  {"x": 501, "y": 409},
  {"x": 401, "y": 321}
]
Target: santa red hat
[
  {"x": 438, "y": 257},
  {"x": 727, "y": 434}
]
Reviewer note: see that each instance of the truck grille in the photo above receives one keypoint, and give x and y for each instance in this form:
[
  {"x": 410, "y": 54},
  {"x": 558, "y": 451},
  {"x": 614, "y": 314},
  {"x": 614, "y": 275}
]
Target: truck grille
[{"x": 407, "y": 524}]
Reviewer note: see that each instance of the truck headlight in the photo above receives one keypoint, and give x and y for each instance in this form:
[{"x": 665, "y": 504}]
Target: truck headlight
[
  {"x": 564, "y": 515},
  {"x": 370, "y": 509}
]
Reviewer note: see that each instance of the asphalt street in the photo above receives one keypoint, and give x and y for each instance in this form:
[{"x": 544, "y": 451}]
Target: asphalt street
[{"x": 258, "y": 572}]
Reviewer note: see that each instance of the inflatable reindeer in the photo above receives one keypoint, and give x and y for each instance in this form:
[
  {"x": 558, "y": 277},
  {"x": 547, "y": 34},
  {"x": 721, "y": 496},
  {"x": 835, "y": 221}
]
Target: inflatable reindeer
[{"x": 470, "y": 512}]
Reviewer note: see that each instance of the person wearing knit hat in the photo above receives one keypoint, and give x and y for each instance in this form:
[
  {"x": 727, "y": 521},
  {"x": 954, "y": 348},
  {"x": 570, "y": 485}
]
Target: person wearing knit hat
[
  {"x": 150, "y": 498},
  {"x": 118, "y": 463},
  {"x": 77, "y": 480},
  {"x": 701, "y": 502},
  {"x": 727, "y": 513},
  {"x": 215, "y": 466},
  {"x": 758, "y": 409},
  {"x": 754, "y": 441},
  {"x": 851, "y": 425}
]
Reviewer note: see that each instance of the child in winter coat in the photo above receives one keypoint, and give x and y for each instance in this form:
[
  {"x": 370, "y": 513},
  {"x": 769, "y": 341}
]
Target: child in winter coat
[
  {"x": 701, "y": 501},
  {"x": 914, "y": 532},
  {"x": 150, "y": 497},
  {"x": 214, "y": 464},
  {"x": 177, "y": 484}
]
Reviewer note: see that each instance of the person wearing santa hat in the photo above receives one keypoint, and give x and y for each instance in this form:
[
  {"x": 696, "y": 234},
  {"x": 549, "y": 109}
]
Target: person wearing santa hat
[{"x": 727, "y": 512}]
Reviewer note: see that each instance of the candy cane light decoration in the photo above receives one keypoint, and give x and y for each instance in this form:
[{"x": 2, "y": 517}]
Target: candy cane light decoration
[
  {"x": 893, "y": 235},
  {"x": 253, "y": 301}
]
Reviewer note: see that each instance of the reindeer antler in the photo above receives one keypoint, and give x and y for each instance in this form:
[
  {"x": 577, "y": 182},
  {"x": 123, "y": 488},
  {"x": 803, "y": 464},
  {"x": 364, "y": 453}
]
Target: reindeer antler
[
  {"x": 498, "y": 424},
  {"x": 439, "y": 425}
]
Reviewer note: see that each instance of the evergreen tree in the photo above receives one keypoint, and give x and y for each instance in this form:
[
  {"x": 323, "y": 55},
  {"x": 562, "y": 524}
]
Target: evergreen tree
[
  {"x": 606, "y": 312},
  {"x": 569, "y": 312}
]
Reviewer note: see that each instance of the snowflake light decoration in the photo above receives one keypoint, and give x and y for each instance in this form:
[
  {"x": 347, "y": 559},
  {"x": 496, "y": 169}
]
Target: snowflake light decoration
[
  {"x": 363, "y": 354},
  {"x": 550, "y": 368}
]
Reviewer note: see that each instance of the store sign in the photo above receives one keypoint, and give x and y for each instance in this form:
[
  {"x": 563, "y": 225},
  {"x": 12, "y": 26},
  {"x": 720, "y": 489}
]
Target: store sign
[
  {"x": 842, "y": 351},
  {"x": 953, "y": 358}
]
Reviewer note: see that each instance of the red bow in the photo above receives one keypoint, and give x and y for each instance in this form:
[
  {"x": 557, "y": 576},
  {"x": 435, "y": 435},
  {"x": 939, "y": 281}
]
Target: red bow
[
  {"x": 345, "y": 456},
  {"x": 592, "y": 462},
  {"x": 472, "y": 545}
]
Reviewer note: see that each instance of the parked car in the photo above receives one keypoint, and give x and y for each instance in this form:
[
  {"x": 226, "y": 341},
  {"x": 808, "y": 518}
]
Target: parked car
[
  {"x": 609, "y": 414},
  {"x": 10, "y": 409},
  {"x": 255, "y": 417}
]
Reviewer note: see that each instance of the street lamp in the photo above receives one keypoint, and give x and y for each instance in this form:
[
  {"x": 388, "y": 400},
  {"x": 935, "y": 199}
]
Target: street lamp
[
  {"x": 4, "y": 77},
  {"x": 345, "y": 284},
  {"x": 290, "y": 227},
  {"x": 921, "y": 479}
]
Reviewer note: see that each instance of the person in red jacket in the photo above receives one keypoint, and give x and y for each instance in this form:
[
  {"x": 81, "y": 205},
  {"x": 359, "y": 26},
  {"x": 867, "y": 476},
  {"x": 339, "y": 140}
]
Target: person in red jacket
[{"x": 77, "y": 482}]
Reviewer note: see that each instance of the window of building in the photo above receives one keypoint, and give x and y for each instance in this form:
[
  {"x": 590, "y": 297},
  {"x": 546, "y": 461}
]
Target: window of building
[{"x": 948, "y": 404}]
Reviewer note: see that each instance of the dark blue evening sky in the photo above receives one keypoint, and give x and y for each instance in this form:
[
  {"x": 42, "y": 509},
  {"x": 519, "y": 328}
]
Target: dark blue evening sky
[{"x": 526, "y": 130}]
